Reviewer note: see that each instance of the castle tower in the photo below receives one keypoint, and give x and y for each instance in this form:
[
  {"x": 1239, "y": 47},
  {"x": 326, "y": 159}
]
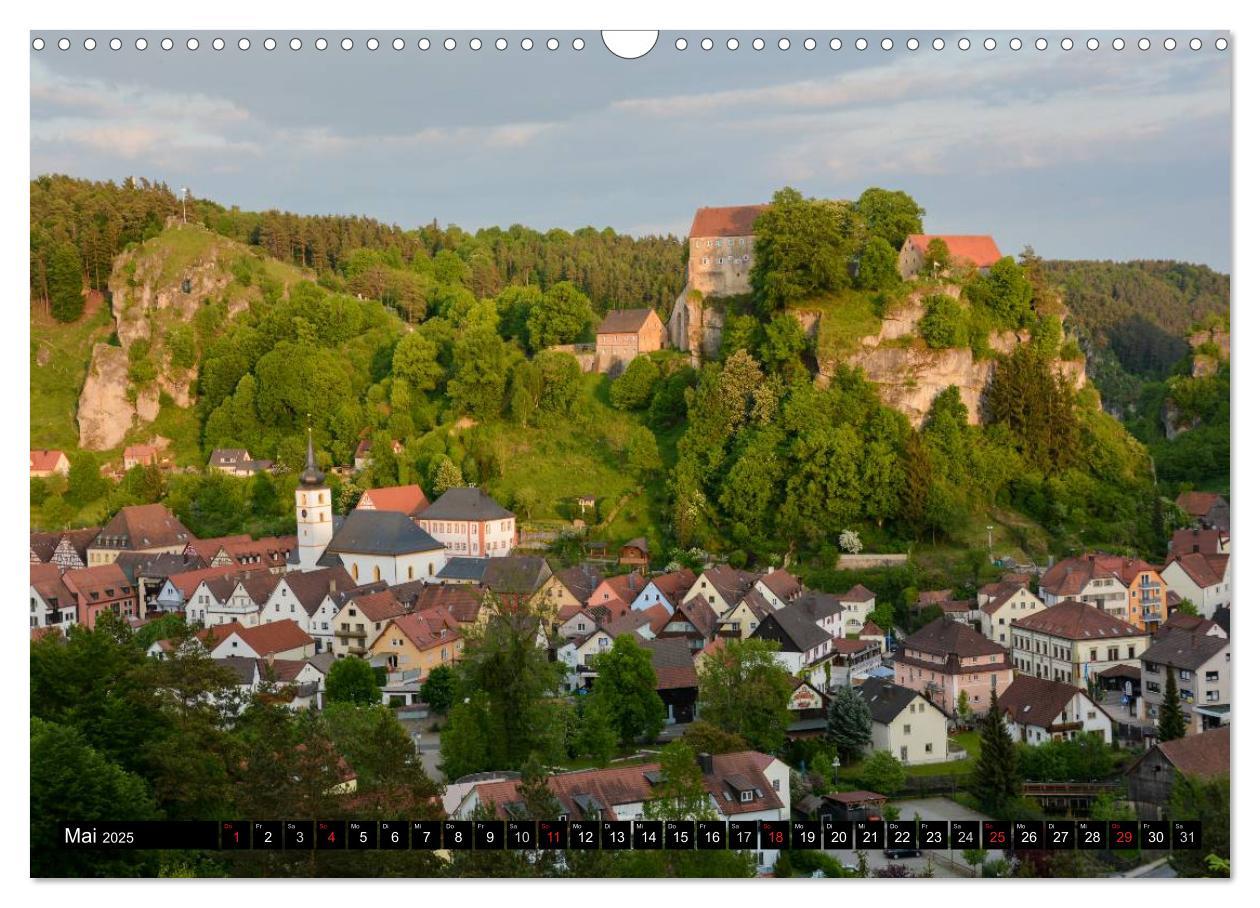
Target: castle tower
[{"x": 314, "y": 511}]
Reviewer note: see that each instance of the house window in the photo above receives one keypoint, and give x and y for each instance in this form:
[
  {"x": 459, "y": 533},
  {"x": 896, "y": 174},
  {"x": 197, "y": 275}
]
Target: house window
[
  {"x": 905, "y": 729},
  {"x": 745, "y": 797},
  {"x": 775, "y": 784},
  {"x": 927, "y": 748}
]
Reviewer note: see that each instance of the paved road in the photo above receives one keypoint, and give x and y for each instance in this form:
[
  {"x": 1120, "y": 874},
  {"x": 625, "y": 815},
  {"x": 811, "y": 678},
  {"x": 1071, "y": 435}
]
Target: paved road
[{"x": 946, "y": 863}]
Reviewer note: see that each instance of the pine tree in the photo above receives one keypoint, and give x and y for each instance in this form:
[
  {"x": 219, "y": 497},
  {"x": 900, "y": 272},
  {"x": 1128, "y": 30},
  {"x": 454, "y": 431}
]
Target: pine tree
[
  {"x": 995, "y": 780},
  {"x": 1172, "y": 724},
  {"x": 848, "y": 724},
  {"x": 65, "y": 283}
]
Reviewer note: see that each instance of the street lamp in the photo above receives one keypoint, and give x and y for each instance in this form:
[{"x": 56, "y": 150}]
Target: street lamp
[{"x": 183, "y": 203}]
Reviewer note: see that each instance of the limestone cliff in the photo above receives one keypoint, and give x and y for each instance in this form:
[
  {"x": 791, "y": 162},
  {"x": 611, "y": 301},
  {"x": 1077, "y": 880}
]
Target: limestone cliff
[
  {"x": 909, "y": 374},
  {"x": 157, "y": 288}
]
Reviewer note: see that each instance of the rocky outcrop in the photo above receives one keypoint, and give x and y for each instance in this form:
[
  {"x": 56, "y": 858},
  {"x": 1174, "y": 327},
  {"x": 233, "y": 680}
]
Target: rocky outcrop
[
  {"x": 156, "y": 286},
  {"x": 108, "y": 408},
  {"x": 696, "y": 324}
]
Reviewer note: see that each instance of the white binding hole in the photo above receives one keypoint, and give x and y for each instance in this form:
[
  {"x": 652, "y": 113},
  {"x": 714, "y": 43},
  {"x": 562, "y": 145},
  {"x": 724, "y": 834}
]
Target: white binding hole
[
  {"x": 810, "y": 43},
  {"x": 269, "y": 44},
  {"x": 938, "y": 44},
  {"x": 500, "y": 44},
  {"x": 167, "y": 44},
  {"x": 321, "y": 44},
  {"x": 990, "y": 44},
  {"x": 552, "y": 44},
  {"x": 89, "y": 44},
  {"x": 347, "y": 44},
  {"x": 1196, "y": 44},
  {"x": 784, "y": 43},
  {"x": 680, "y": 44},
  {"x": 860, "y": 44},
  {"x": 886, "y": 44},
  {"x": 475, "y": 44},
  {"x": 192, "y": 44},
  {"x": 115, "y": 44},
  {"x": 1170, "y": 44},
  {"x": 758, "y": 44},
  {"x": 219, "y": 43},
  {"x": 398, "y": 44},
  {"x": 578, "y": 44},
  {"x": 295, "y": 44},
  {"x": 38, "y": 44},
  {"x": 1118, "y": 44},
  {"x": 141, "y": 44},
  {"x": 449, "y": 43},
  {"x": 373, "y": 44},
  {"x": 424, "y": 44},
  {"x": 1016, "y": 44},
  {"x": 1222, "y": 44},
  {"x": 1092, "y": 44},
  {"x": 1144, "y": 44},
  {"x": 527, "y": 44},
  {"x": 64, "y": 44},
  {"x": 964, "y": 43},
  {"x": 243, "y": 44},
  {"x": 1066, "y": 44},
  {"x": 732, "y": 44},
  {"x": 1041, "y": 43},
  {"x": 835, "y": 44},
  {"x": 912, "y": 44},
  {"x": 706, "y": 44}
]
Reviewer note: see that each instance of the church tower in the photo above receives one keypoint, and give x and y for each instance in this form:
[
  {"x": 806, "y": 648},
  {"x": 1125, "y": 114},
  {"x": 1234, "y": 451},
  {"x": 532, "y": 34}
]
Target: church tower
[{"x": 314, "y": 511}]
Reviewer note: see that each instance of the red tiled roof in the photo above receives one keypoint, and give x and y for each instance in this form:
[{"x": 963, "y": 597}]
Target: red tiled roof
[
  {"x": 1073, "y": 620},
  {"x": 409, "y": 500},
  {"x": 45, "y": 459},
  {"x": 1036, "y": 701},
  {"x": 624, "y": 321},
  {"x": 143, "y": 526},
  {"x": 846, "y": 647},
  {"x": 620, "y": 785},
  {"x": 208, "y": 548},
  {"x": 188, "y": 581},
  {"x": 1197, "y": 539},
  {"x": 100, "y": 582},
  {"x": 658, "y": 617},
  {"x": 1197, "y": 504},
  {"x": 1195, "y": 624},
  {"x": 377, "y": 606},
  {"x": 1203, "y": 755},
  {"x": 999, "y": 594},
  {"x": 858, "y": 593},
  {"x": 1203, "y": 570},
  {"x": 871, "y": 629},
  {"x": 427, "y": 629},
  {"x": 674, "y": 585},
  {"x": 264, "y": 639},
  {"x": 732, "y": 220},
  {"x": 783, "y": 584},
  {"x": 981, "y": 250}
]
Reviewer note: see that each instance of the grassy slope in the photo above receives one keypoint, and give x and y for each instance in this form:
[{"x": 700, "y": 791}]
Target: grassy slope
[{"x": 66, "y": 351}]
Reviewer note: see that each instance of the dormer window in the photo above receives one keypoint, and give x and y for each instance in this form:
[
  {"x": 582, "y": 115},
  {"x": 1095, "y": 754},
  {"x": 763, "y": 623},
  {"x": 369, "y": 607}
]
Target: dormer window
[{"x": 745, "y": 797}]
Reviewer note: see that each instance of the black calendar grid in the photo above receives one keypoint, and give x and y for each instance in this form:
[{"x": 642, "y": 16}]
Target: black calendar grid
[{"x": 624, "y": 835}]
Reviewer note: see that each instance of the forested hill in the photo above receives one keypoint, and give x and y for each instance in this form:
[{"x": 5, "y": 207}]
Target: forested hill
[
  {"x": 84, "y": 224},
  {"x": 1140, "y": 310}
]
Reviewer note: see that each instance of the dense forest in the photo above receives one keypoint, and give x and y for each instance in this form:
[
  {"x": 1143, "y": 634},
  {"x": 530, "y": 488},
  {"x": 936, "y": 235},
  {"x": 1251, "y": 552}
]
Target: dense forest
[
  {"x": 95, "y": 221},
  {"x": 436, "y": 339}
]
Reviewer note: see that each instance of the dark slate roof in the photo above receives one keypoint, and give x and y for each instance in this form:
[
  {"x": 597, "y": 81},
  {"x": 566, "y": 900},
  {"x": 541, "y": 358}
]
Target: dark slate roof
[
  {"x": 463, "y": 568},
  {"x": 240, "y": 666},
  {"x": 1183, "y": 649},
  {"x": 886, "y": 700},
  {"x": 517, "y": 574},
  {"x": 1036, "y": 701},
  {"x": 673, "y": 662},
  {"x": 380, "y": 533},
  {"x": 1221, "y": 617},
  {"x": 310, "y": 587},
  {"x": 465, "y": 503},
  {"x": 797, "y": 624},
  {"x": 156, "y": 565},
  {"x": 945, "y": 636}
]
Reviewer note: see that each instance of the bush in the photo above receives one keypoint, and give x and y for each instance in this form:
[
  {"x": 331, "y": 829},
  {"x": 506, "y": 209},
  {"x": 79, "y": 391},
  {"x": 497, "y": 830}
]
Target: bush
[
  {"x": 944, "y": 322},
  {"x": 633, "y": 389}
]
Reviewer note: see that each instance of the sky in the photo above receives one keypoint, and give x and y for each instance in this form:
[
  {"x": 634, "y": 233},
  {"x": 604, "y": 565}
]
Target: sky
[{"x": 1081, "y": 154}]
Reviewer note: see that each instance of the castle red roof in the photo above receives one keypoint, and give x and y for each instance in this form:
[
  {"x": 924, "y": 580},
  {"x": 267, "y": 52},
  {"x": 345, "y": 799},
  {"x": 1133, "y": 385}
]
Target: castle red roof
[
  {"x": 980, "y": 250},
  {"x": 733, "y": 220}
]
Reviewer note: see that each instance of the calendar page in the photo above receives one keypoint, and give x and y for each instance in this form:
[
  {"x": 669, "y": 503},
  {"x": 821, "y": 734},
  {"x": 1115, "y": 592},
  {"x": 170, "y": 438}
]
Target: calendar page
[{"x": 551, "y": 453}]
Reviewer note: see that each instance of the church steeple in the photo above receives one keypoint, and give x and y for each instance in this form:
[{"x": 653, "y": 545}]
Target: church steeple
[{"x": 311, "y": 477}]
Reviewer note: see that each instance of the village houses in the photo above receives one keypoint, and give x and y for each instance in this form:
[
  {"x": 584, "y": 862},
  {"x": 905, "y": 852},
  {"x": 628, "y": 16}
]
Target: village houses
[
  {"x": 1037, "y": 710},
  {"x": 138, "y": 528},
  {"x": 47, "y": 462},
  {"x": 977, "y": 251},
  {"x": 1201, "y": 672},
  {"x": 1074, "y": 641},
  {"x": 1200, "y": 578},
  {"x": 1000, "y": 604},
  {"x": 946, "y": 659},
  {"x": 904, "y": 723},
  {"x": 467, "y": 521}
]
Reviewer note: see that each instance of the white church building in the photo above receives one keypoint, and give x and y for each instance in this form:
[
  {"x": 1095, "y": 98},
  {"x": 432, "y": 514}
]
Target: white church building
[{"x": 372, "y": 545}]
